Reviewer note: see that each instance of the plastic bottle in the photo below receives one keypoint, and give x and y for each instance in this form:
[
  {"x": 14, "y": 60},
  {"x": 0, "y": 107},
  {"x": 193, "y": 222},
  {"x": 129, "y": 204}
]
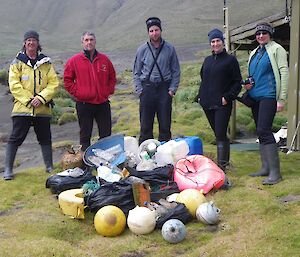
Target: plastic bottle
[
  {"x": 109, "y": 154},
  {"x": 151, "y": 149},
  {"x": 144, "y": 155},
  {"x": 108, "y": 174},
  {"x": 103, "y": 154},
  {"x": 114, "y": 150}
]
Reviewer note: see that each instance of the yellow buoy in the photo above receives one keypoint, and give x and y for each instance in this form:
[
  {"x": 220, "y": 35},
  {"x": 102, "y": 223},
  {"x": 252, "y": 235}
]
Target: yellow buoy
[
  {"x": 191, "y": 198},
  {"x": 71, "y": 203},
  {"x": 110, "y": 221}
]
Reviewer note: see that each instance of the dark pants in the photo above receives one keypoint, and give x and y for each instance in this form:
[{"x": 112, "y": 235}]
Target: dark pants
[
  {"x": 218, "y": 120},
  {"x": 21, "y": 126},
  {"x": 86, "y": 113},
  {"x": 263, "y": 113},
  {"x": 155, "y": 99}
]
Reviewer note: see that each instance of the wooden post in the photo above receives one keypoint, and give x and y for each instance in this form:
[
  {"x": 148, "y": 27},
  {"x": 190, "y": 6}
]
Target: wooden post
[
  {"x": 232, "y": 124},
  {"x": 294, "y": 80}
]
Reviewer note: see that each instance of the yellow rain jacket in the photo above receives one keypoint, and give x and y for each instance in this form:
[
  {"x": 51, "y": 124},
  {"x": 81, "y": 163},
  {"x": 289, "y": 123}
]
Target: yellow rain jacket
[{"x": 27, "y": 81}]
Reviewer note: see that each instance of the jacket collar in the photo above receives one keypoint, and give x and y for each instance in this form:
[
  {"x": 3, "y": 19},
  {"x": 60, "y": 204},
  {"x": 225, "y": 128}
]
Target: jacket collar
[
  {"x": 41, "y": 59},
  {"x": 87, "y": 55}
]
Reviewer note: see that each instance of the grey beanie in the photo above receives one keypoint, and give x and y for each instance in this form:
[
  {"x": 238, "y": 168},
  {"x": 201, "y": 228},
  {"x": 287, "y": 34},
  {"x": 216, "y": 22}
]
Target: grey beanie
[
  {"x": 215, "y": 33},
  {"x": 265, "y": 27},
  {"x": 31, "y": 34}
]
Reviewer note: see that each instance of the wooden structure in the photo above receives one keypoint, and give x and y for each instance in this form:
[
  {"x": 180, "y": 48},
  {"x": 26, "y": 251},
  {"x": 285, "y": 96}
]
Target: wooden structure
[{"x": 243, "y": 37}]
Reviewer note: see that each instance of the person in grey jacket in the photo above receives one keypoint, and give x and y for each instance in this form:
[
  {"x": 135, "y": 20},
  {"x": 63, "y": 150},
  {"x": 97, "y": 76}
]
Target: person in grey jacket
[{"x": 156, "y": 77}]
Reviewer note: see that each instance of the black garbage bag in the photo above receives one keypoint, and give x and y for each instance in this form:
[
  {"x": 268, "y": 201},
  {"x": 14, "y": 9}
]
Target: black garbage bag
[
  {"x": 159, "y": 191},
  {"x": 179, "y": 212},
  {"x": 58, "y": 184},
  {"x": 118, "y": 194},
  {"x": 160, "y": 174},
  {"x": 161, "y": 181}
]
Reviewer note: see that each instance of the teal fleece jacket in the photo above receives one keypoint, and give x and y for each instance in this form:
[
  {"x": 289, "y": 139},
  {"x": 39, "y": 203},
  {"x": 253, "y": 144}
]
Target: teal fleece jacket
[{"x": 278, "y": 59}]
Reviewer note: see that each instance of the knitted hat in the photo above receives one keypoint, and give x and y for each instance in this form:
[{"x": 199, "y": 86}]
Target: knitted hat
[
  {"x": 215, "y": 33},
  {"x": 153, "y": 21},
  {"x": 265, "y": 27},
  {"x": 31, "y": 34}
]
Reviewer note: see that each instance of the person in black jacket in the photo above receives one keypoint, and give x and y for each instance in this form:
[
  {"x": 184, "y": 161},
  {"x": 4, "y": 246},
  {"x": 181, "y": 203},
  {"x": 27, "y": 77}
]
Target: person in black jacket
[{"x": 220, "y": 84}]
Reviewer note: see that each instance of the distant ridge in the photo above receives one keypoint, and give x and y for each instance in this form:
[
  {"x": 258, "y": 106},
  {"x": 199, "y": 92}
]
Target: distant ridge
[{"x": 119, "y": 24}]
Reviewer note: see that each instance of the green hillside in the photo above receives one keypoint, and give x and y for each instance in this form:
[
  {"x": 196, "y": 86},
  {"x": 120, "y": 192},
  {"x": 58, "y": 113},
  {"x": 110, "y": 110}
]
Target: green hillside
[{"x": 119, "y": 24}]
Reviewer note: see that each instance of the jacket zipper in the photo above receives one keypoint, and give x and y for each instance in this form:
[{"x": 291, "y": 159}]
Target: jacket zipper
[{"x": 34, "y": 89}]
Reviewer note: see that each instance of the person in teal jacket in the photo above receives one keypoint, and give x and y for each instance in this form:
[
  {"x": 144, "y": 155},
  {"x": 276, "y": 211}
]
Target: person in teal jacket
[{"x": 268, "y": 72}]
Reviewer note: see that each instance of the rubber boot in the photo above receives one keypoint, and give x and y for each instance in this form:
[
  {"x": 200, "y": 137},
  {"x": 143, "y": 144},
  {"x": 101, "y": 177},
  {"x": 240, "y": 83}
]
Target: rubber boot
[
  {"x": 47, "y": 156},
  {"x": 274, "y": 166},
  {"x": 11, "y": 151},
  {"x": 223, "y": 155},
  {"x": 264, "y": 171}
]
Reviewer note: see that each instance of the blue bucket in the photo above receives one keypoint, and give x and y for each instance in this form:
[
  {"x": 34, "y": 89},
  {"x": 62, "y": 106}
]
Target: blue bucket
[{"x": 104, "y": 144}]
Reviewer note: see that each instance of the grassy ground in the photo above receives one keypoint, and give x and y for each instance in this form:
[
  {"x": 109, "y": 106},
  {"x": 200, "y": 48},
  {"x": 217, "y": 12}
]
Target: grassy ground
[{"x": 254, "y": 222}]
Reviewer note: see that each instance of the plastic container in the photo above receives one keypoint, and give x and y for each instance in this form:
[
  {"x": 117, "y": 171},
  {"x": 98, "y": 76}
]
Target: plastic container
[
  {"x": 141, "y": 193},
  {"x": 170, "y": 152},
  {"x": 194, "y": 143},
  {"x": 104, "y": 144},
  {"x": 143, "y": 147},
  {"x": 131, "y": 144}
]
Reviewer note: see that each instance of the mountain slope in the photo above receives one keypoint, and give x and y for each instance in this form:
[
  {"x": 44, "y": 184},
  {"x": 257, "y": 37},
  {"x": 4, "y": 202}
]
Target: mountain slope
[{"x": 119, "y": 24}]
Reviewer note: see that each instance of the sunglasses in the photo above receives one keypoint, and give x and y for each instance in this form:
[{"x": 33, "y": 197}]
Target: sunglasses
[{"x": 261, "y": 33}]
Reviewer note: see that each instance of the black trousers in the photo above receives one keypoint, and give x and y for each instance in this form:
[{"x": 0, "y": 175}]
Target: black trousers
[
  {"x": 218, "y": 119},
  {"x": 263, "y": 113},
  {"x": 155, "y": 100},
  {"x": 21, "y": 126},
  {"x": 86, "y": 114}
]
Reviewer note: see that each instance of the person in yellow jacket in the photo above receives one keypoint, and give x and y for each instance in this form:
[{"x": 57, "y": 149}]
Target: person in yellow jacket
[{"x": 32, "y": 83}]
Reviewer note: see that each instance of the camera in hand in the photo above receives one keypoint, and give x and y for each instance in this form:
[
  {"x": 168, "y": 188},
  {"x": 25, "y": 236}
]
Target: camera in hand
[{"x": 248, "y": 80}]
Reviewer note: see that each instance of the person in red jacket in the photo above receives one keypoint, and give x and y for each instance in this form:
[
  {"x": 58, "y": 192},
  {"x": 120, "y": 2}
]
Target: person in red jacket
[{"x": 90, "y": 78}]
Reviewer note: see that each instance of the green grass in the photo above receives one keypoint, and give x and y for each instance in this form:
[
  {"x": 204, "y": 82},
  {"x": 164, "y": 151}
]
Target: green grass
[{"x": 253, "y": 221}]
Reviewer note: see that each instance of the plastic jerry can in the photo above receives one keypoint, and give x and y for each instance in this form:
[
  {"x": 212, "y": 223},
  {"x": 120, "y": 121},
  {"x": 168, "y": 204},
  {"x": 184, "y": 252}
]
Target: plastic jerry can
[
  {"x": 194, "y": 143},
  {"x": 170, "y": 152},
  {"x": 131, "y": 144}
]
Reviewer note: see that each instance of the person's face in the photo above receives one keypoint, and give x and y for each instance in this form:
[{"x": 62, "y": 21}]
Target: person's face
[
  {"x": 262, "y": 37},
  {"x": 89, "y": 43},
  {"x": 217, "y": 45},
  {"x": 154, "y": 33},
  {"x": 31, "y": 44}
]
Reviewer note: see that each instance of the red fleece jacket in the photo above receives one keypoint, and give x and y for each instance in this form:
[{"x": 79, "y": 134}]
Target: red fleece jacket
[{"x": 90, "y": 82}]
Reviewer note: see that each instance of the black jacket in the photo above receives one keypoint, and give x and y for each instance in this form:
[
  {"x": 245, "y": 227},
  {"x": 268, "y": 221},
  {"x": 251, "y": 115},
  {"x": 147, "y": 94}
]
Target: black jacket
[{"x": 220, "y": 77}]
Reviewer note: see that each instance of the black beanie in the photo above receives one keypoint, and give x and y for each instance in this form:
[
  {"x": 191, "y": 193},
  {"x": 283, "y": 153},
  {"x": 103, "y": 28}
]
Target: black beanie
[
  {"x": 215, "y": 33},
  {"x": 153, "y": 21},
  {"x": 31, "y": 34}
]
